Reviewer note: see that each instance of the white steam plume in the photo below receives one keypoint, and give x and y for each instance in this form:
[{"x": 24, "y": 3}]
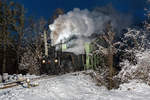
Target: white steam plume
[{"x": 81, "y": 24}]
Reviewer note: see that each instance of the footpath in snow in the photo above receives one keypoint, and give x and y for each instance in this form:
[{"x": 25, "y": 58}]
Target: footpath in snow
[{"x": 76, "y": 86}]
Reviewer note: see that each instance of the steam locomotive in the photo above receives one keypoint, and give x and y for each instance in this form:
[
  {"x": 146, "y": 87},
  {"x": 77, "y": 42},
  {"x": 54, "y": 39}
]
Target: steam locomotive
[{"x": 59, "y": 62}]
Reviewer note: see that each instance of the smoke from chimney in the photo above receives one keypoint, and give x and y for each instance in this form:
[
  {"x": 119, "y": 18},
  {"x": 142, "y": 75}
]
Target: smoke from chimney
[{"x": 75, "y": 27}]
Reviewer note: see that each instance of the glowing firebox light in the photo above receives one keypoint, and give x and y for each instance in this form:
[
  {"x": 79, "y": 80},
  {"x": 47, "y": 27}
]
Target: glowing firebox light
[
  {"x": 49, "y": 62},
  {"x": 43, "y": 61},
  {"x": 56, "y": 60},
  {"x": 28, "y": 82}
]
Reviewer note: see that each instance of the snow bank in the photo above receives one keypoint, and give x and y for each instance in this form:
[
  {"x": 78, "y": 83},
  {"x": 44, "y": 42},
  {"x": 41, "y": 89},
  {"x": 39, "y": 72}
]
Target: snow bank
[
  {"x": 15, "y": 77},
  {"x": 76, "y": 86}
]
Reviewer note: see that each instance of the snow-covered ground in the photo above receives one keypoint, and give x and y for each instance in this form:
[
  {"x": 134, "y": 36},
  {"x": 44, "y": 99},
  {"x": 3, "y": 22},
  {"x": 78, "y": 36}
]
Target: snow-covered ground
[
  {"x": 76, "y": 87},
  {"x": 15, "y": 77}
]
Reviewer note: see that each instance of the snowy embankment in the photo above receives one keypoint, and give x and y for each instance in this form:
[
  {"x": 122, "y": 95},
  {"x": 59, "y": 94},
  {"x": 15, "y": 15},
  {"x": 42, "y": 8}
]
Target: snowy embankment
[{"x": 76, "y": 86}]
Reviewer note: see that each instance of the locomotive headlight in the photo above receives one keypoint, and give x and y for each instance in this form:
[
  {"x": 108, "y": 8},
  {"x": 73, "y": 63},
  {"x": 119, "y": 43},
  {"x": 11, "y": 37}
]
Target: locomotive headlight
[
  {"x": 43, "y": 61},
  {"x": 56, "y": 60}
]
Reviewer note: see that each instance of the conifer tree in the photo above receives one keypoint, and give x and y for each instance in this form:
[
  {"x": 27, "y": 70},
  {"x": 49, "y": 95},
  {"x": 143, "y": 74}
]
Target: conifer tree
[
  {"x": 11, "y": 21},
  {"x": 6, "y": 21}
]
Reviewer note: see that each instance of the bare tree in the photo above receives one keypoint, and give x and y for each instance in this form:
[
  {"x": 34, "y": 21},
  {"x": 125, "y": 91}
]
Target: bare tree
[
  {"x": 34, "y": 44},
  {"x": 105, "y": 48},
  {"x": 147, "y": 22},
  {"x": 19, "y": 28},
  {"x": 109, "y": 38},
  {"x": 55, "y": 15}
]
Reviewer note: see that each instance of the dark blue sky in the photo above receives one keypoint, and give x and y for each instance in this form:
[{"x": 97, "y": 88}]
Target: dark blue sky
[{"x": 46, "y": 8}]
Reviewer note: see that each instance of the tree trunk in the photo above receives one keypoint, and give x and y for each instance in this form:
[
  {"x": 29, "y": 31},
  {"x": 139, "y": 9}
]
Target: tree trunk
[
  {"x": 4, "y": 51},
  {"x": 45, "y": 43},
  {"x": 18, "y": 53},
  {"x": 110, "y": 64},
  {"x": 4, "y": 58}
]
